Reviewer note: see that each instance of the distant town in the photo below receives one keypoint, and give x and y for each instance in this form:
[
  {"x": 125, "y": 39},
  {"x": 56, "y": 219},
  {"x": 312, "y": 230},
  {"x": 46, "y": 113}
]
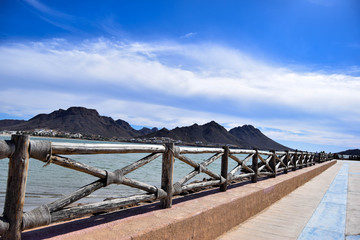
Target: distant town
[{"x": 151, "y": 140}]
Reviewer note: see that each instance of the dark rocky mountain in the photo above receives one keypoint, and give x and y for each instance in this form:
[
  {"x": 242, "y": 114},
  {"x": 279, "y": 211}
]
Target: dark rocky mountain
[
  {"x": 6, "y": 123},
  {"x": 89, "y": 122},
  {"x": 350, "y": 152},
  {"x": 210, "y": 132},
  {"x": 146, "y": 130},
  {"x": 256, "y": 138},
  {"x": 78, "y": 120},
  {"x": 134, "y": 132}
]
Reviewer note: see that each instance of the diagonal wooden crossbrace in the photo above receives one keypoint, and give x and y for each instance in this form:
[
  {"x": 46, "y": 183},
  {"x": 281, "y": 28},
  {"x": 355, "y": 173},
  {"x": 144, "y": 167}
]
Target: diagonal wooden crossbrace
[
  {"x": 56, "y": 211},
  {"x": 280, "y": 161},
  {"x": 265, "y": 166},
  {"x": 180, "y": 186},
  {"x": 242, "y": 166}
]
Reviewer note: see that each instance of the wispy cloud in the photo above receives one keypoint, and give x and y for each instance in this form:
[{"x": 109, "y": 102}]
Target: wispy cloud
[
  {"x": 55, "y": 17},
  {"x": 189, "y": 35},
  {"x": 45, "y": 9},
  {"x": 157, "y": 84}
]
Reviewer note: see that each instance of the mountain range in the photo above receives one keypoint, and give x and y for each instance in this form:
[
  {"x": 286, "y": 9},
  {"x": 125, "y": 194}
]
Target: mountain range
[
  {"x": 88, "y": 122},
  {"x": 350, "y": 152}
]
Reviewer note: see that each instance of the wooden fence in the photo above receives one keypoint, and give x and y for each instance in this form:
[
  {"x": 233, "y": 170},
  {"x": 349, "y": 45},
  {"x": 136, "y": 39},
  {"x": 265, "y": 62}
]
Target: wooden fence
[{"x": 20, "y": 149}]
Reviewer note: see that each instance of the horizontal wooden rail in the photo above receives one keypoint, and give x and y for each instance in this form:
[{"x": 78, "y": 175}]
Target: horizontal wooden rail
[{"x": 249, "y": 164}]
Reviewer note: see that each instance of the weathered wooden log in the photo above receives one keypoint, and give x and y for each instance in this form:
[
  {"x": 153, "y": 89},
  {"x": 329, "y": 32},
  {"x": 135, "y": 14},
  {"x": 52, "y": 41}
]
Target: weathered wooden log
[
  {"x": 265, "y": 162},
  {"x": 241, "y": 176},
  {"x": 294, "y": 161},
  {"x": 241, "y": 166},
  {"x": 255, "y": 166},
  {"x": 272, "y": 163},
  {"x": 188, "y": 177},
  {"x": 266, "y": 174},
  {"x": 245, "y": 166},
  {"x": 233, "y": 157},
  {"x": 40, "y": 150},
  {"x": 198, "y": 166},
  {"x": 309, "y": 161},
  {"x": 305, "y": 160},
  {"x": 86, "y": 148},
  {"x": 187, "y": 150},
  {"x": 241, "y": 161},
  {"x": 144, "y": 186},
  {"x": 281, "y": 169},
  {"x": 78, "y": 166},
  {"x": 16, "y": 186},
  {"x": 187, "y": 160},
  {"x": 4, "y": 225},
  {"x": 200, "y": 185},
  {"x": 78, "y": 194},
  {"x": 196, "y": 171},
  {"x": 224, "y": 168},
  {"x": 7, "y": 148},
  {"x": 211, "y": 159},
  {"x": 282, "y": 159},
  {"x": 208, "y": 172},
  {"x": 36, "y": 218},
  {"x": 300, "y": 161},
  {"x": 105, "y": 206},
  {"x": 167, "y": 175},
  {"x": 286, "y": 161},
  {"x": 313, "y": 158},
  {"x": 242, "y": 151},
  {"x": 234, "y": 171},
  {"x": 265, "y": 153},
  {"x": 140, "y": 163}
]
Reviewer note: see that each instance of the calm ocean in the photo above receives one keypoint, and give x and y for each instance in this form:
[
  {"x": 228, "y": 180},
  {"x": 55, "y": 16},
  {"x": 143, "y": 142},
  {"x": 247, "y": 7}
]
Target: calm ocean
[{"x": 46, "y": 184}]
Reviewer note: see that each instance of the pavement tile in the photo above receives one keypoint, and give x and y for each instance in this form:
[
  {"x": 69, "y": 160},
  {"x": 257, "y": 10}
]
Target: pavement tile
[
  {"x": 336, "y": 198},
  {"x": 356, "y": 237},
  {"x": 316, "y": 234},
  {"x": 329, "y": 216}
]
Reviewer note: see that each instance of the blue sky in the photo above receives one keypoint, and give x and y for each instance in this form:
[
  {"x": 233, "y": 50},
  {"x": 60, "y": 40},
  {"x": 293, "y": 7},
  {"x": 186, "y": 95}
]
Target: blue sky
[{"x": 290, "y": 68}]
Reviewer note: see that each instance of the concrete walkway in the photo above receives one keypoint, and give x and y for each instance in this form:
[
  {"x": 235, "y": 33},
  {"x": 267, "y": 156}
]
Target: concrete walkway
[{"x": 327, "y": 207}]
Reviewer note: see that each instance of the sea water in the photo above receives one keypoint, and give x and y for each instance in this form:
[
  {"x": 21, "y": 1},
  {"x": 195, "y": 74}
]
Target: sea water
[{"x": 46, "y": 184}]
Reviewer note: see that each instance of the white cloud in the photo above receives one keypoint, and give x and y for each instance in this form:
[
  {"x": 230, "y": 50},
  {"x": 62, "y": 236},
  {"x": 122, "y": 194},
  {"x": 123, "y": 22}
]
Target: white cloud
[
  {"x": 203, "y": 71},
  {"x": 189, "y": 35},
  {"x": 219, "y": 73}
]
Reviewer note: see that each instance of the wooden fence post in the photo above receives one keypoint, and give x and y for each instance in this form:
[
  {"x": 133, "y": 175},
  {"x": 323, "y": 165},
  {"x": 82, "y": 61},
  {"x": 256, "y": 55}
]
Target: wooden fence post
[
  {"x": 224, "y": 168},
  {"x": 16, "y": 186},
  {"x": 294, "y": 161},
  {"x": 313, "y": 158},
  {"x": 255, "y": 160},
  {"x": 306, "y": 159},
  {"x": 272, "y": 163},
  {"x": 167, "y": 174},
  {"x": 286, "y": 161},
  {"x": 301, "y": 160}
]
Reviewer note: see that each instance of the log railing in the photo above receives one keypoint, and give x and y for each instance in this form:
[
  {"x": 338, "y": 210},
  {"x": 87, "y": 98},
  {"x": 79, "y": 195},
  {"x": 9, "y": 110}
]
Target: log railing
[{"x": 248, "y": 164}]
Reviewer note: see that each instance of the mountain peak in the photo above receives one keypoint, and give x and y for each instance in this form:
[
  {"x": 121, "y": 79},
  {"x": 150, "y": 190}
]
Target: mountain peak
[{"x": 256, "y": 138}]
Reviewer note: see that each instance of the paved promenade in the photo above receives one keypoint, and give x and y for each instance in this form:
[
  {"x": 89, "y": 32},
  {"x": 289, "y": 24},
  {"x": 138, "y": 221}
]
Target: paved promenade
[{"x": 327, "y": 207}]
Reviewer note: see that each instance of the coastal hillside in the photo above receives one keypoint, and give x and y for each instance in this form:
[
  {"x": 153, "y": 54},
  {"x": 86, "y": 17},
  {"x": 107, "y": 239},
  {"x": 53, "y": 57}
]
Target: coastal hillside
[
  {"x": 89, "y": 123},
  {"x": 350, "y": 152},
  {"x": 256, "y": 138},
  {"x": 211, "y": 132},
  {"x": 76, "y": 120},
  {"x": 7, "y": 123}
]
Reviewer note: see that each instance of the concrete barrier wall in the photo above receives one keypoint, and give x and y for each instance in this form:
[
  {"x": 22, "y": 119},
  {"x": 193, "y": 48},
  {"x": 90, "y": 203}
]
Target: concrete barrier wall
[{"x": 199, "y": 218}]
